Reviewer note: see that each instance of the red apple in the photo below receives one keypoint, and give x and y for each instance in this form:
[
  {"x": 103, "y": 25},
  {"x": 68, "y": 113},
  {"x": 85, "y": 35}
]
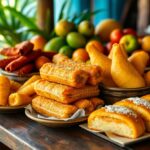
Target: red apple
[
  {"x": 129, "y": 31},
  {"x": 116, "y": 35}
]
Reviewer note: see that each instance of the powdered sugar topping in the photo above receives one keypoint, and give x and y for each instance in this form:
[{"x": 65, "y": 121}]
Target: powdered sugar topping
[
  {"x": 140, "y": 101},
  {"x": 121, "y": 110}
]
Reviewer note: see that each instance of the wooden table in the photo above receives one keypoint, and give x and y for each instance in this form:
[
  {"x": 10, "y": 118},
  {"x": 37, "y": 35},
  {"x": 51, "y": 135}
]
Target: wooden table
[{"x": 19, "y": 133}]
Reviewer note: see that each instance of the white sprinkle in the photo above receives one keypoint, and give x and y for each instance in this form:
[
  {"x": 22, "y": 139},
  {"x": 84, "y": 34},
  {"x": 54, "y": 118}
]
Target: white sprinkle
[
  {"x": 140, "y": 101},
  {"x": 120, "y": 110}
]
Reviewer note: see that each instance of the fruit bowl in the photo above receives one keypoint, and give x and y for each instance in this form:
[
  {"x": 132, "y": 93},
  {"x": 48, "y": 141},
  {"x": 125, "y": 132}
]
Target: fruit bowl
[
  {"x": 114, "y": 94},
  {"x": 16, "y": 77}
]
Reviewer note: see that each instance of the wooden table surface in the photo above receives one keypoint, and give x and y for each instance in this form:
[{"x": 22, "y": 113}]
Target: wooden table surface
[{"x": 20, "y": 133}]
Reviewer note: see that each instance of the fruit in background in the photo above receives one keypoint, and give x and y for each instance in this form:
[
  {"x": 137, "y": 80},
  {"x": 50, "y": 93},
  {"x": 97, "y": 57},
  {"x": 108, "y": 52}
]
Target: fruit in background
[
  {"x": 80, "y": 55},
  {"x": 116, "y": 35},
  {"x": 130, "y": 42},
  {"x": 146, "y": 43},
  {"x": 139, "y": 60},
  {"x": 66, "y": 50},
  {"x": 109, "y": 46},
  {"x": 40, "y": 61},
  {"x": 95, "y": 45},
  {"x": 129, "y": 31},
  {"x": 76, "y": 40},
  {"x": 123, "y": 72},
  {"x": 54, "y": 44},
  {"x": 86, "y": 28},
  {"x": 63, "y": 27},
  {"x": 95, "y": 38},
  {"x": 39, "y": 42},
  {"x": 105, "y": 27}
]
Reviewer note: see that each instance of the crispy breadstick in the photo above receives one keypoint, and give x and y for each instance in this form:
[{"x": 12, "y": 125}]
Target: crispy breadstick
[
  {"x": 20, "y": 49},
  {"x": 51, "y": 108},
  {"x": 64, "y": 74},
  {"x": 17, "y": 99},
  {"x": 6, "y": 61},
  {"x": 4, "y": 90},
  {"x": 30, "y": 80},
  {"x": 25, "y": 69},
  {"x": 95, "y": 72},
  {"x": 63, "y": 93},
  {"x": 96, "y": 101},
  {"x": 21, "y": 61}
]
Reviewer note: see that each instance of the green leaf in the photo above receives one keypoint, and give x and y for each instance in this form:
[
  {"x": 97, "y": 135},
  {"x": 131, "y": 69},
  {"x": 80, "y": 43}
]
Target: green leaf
[{"x": 23, "y": 19}]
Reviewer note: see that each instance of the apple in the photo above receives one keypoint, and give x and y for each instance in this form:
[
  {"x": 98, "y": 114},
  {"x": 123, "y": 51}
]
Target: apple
[
  {"x": 129, "y": 31},
  {"x": 116, "y": 35},
  {"x": 146, "y": 43},
  {"x": 86, "y": 28},
  {"x": 130, "y": 42}
]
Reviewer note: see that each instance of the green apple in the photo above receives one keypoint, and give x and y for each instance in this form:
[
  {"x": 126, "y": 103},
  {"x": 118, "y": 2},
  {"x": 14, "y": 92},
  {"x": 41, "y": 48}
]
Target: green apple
[
  {"x": 130, "y": 42},
  {"x": 66, "y": 50},
  {"x": 86, "y": 28}
]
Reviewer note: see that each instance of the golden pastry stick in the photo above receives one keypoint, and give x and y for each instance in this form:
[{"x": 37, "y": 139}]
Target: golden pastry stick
[
  {"x": 85, "y": 104},
  {"x": 63, "y": 93},
  {"x": 4, "y": 90},
  {"x": 95, "y": 72},
  {"x": 27, "y": 90},
  {"x": 51, "y": 108},
  {"x": 17, "y": 99},
  {"x": 96, "y": 101},
  {"x": 14, "y": 85},
  {"x": 30, "y": 80},
  {"x": 64, "y": 74}
]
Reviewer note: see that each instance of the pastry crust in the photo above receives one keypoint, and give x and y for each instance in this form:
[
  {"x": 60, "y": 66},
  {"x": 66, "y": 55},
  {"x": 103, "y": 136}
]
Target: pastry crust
[
  {"x": 63, "y": 93},
  {"x": 51, "y": 108},
  {"x": 146, "y": 97},
  {"x": 140, "y": 106},
  {"x": 118, "y": 120},
  {"x": 95, "y": 72},
  {"x": 64, "y": 74}
]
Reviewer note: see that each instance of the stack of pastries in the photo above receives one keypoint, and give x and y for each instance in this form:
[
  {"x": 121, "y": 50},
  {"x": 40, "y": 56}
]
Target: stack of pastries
[
  {"x": 129, "y": 117},
  {"x": 65, "y": 87}
]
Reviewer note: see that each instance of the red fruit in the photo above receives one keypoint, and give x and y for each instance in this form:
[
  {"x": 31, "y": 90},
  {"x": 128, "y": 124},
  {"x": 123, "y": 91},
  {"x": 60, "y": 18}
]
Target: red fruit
[
  {"x": 129, "y": 31},
  {"x": 116, "y": 35}
]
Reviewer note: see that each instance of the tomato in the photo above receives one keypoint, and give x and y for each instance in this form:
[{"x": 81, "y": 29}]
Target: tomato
[
  {"x": 80, "y": 55},
  {"x": 129, "y": 31},
  {"x": 116, "y": 35}
]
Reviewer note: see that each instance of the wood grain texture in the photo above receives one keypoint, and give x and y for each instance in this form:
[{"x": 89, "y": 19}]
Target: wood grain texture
[{"x": 20, "y": 133}]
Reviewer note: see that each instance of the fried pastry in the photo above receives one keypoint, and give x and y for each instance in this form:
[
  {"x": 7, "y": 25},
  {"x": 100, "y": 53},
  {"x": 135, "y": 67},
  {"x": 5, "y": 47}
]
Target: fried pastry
[
  {"x": 95, "y": 72},
  {"x": 97, "y": 58},
  {"x": 17, "y": 99},
  {"x": 122, "y": 71},
  {"x": 85, "y": 104},
  {"x": 147, "y": 78},
  {"x": 64, "y": 74},
  {"x": 139, "y": 60},
  {"x": 4, "y": 90},
  {"x": 14, "y": 85},
  {"x": 96, "y": 101},
  {"x": 146, "y": 97},
  {"x": 140, "y": 106},
  {"x": 51, "y": 108},
  {"x": 118, "y": 120},
  {"x": 63, "y": 93}
]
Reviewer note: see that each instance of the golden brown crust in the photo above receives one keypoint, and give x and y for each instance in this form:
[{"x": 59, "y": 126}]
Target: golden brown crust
[
  {"x": 52, "y": 108},
  {"x": 140, "y": 106},
  {"x": 63, "y": 93},
  {"x": 95, "y": 72},
  {"x": 63, "y": 74},
  {"x": 96, "y": 101},
  {"x": 130, "y": 124}
]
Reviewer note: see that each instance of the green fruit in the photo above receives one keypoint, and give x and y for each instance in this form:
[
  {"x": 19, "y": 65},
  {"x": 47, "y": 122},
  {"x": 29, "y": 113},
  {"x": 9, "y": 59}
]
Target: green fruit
[
  {"x": 86, "y": 28},
  {"x": 66, "y": 50},
  {"x": 130, "y": 42},
  {"x": 76, "y": 40},
  {"x": 63, "y": 27},
  {"x": 54, "y": 44}
]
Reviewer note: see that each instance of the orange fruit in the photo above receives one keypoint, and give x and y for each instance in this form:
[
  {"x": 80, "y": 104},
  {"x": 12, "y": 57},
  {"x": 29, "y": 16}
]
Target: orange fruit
[
  {"x": 39, "y": 42},
  {"x": 80, "y": 55},
  {"x": 146, "y": 43},
  {"x": 40, "y": 61}
]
